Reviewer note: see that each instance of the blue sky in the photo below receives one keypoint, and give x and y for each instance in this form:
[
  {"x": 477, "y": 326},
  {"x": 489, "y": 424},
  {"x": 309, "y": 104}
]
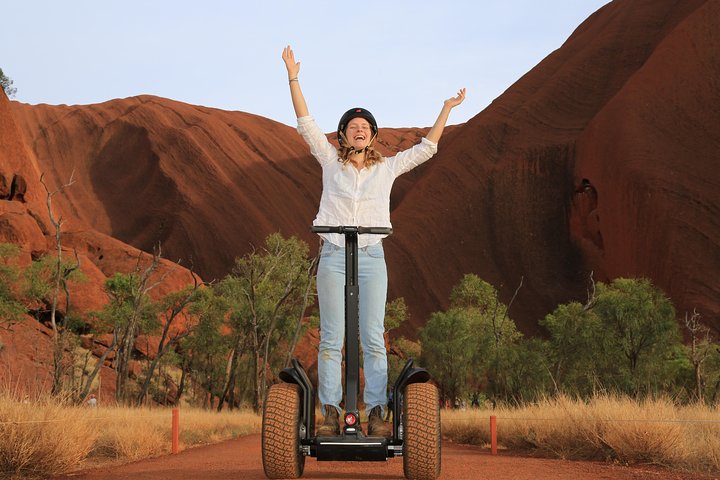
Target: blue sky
[{"x": 397, "y": 58}]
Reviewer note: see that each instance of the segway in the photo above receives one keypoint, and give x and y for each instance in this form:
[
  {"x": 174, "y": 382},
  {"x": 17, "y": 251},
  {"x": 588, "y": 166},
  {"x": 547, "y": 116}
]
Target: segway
[{"x": 288, "y": 426}]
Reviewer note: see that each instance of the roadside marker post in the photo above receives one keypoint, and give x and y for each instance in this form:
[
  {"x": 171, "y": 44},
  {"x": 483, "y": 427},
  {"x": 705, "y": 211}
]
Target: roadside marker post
[
  {"x": 175, "y": 430},
  {"x": 493, "y": 435}
]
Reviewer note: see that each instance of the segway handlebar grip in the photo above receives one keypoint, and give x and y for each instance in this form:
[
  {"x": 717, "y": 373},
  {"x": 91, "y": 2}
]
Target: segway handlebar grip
[
  {"x": 375, "y": 230},
  {"x": 343, "y": 229}
]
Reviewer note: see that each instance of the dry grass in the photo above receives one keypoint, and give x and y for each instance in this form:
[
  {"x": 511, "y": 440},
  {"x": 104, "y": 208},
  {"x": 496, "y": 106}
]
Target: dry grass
[
  {"x": 41, "y": 437},
  {"x": 605, "y": 428},
  {"x": 46, "y": 437}
]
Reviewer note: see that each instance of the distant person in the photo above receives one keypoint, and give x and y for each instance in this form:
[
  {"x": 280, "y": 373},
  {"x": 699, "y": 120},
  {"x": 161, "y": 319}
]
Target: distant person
[
  {"x": 92, "y": 401},
  {"x": 356, "y": 191}
]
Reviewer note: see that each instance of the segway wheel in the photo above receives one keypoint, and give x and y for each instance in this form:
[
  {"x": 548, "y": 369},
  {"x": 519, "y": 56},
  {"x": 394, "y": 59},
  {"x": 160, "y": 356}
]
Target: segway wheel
[
  {"x": 281, "y": 432},
  {"x": 421, "y": 427}
]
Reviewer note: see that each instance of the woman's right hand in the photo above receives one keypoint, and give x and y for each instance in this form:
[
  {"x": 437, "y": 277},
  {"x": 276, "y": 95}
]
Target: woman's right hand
[{"x": 293, "y": 67}]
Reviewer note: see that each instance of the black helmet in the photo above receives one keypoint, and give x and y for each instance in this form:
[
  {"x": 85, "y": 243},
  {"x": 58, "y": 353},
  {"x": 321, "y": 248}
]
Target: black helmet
[{"x": 355, "y": 113}]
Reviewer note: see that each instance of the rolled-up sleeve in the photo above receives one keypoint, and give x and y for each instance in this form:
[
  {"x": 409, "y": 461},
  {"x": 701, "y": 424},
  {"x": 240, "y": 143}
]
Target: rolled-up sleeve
[
  {"x": 412, "y": 157},
  {"x": 320, "y": 146}
]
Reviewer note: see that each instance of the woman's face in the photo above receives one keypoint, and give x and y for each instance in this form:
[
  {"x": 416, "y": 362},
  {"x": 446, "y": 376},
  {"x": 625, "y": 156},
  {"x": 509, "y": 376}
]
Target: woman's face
[{"x": 358, "y": 133}]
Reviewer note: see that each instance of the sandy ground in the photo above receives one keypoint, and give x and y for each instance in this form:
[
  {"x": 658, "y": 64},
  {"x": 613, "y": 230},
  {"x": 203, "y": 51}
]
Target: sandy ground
[{"x": 241, "y": 459}]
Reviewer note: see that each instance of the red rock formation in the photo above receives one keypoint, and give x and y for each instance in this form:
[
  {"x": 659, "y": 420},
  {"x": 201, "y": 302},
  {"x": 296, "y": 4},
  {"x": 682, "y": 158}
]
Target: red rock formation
[
  {"x": 650, "y": 158},
  {"x": 599, "y": 159},
  {"x": 26, "y": 355},
  {"x": 627, "y": 104},
  {"x": 205, "y": 182}
]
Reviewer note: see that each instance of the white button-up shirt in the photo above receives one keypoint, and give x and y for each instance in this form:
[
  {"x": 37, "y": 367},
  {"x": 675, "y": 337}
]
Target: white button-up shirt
[{"x": 357, "y": 197}]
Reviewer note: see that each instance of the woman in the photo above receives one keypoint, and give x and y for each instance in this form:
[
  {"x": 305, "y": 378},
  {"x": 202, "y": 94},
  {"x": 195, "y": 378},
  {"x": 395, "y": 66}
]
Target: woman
[{"x": 356, "y": 191}]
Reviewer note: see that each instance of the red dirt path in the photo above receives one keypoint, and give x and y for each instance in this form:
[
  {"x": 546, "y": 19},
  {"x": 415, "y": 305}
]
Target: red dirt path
[{"x": 241, "y": 458}]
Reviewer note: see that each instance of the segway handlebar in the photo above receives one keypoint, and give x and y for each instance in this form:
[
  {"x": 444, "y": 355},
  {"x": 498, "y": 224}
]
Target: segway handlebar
[{"x": 343, "y": 229}]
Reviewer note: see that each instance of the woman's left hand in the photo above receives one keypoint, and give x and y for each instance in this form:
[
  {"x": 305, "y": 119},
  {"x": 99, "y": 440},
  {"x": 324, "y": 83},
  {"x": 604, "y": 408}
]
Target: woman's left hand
[
  {"x": 437, "y": 129},
  {"x": 455, "y": 101}
]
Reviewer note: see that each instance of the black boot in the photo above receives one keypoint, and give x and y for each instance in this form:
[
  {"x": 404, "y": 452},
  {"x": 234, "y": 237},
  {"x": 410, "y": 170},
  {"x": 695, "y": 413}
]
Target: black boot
[
  {"x": 376, "y": 425},
  {"x": 331, "y": 424}
]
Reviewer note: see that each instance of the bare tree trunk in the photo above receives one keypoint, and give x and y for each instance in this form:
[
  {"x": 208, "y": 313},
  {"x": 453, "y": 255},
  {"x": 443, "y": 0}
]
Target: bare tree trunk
[
  {"x": 58, "y": 340},
  {"x": 268, "y": 336},
  {"x": 230, "y": 375},
  {"x": 174, "y": 310},
  {"x": 306, "y": 296},
  {"x": 258, "y": 401},
  {"x": 181, "y": 385},
  {"x": 132, "y": 330},
  {"x": 698, "y": 334},
  {"x": 98, "y": 366},
  {"x": 162, "y": 349},
  {"x": 148, "y": 377},
  {"x": 123, "y": 359},
  {"x": 231, "y": 392}
]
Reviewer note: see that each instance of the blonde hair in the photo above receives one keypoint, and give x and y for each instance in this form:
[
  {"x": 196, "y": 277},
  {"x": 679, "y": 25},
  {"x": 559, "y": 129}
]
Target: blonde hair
[{"x": 344, "y": 151}]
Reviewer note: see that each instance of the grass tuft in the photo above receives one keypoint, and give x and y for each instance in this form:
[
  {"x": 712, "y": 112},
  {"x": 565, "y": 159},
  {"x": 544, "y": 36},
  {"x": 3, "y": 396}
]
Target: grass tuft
[
  {"x": 43, "y": 436},
  {"x": 652, "y": 431}
]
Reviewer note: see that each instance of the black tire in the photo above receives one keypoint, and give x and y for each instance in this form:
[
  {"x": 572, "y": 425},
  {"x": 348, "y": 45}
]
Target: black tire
[
  {"x": 281, "y": 454},
  {"x": 421, "y": 432}
]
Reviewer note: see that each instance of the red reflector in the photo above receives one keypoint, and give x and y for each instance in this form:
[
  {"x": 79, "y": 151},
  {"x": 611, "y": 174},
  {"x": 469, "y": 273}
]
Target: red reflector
[{"x": 350, "y": 419}]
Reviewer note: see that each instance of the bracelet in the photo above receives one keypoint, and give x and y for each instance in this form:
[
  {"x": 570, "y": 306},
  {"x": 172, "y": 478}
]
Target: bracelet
[{"x": 293, "y": 80}]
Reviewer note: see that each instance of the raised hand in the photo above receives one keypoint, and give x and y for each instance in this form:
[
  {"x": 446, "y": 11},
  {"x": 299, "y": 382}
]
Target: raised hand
[
  {"x": 455, "y": 101},
  {"x": 293, "y": 67},
  {"x": 437, "y": 129}
]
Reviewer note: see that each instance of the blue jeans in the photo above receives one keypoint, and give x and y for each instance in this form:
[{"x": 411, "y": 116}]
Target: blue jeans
[{"x": 372, "y": 280}]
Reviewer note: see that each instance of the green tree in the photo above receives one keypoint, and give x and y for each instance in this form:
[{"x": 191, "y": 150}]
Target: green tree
[
  {"x": 401, "y": 349},
  {"x": 496, "y": 333},
  {"x": 171, "y": 308},
  {"x": 130, "y": 312},
  {"x": 476, "y": 346},
  {"x": 230, "y": 289},
  {"x": 44, "y": 279},
  {"x": 6, "y": 84},
  {"x": 266, "y": 293},
  {"x": 449, "y": 344},
  {"x": 396, "y": 313},
  {"x": 11, "y": 309},
  {"x": 525, "y": 376},
  {"x": 625, "y": 338},
  {"x": 576, "y": 346},
  {"x": 644, "y": 331},
  {"x": 303, "y": 323},
  {"x": 203, "y": 354},
  {"x": 475, "y": 293}
]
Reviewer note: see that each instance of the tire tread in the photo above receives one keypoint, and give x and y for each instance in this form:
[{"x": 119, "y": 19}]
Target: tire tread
[
  {"x": 421, "y": 426},
  {"x": 280, "y": 437}
]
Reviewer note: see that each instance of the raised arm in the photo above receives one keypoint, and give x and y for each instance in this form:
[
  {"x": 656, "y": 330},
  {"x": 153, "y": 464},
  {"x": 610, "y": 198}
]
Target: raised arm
[
  {"x": 293, "y": 69},
  {"x": 436, "y": 131}
]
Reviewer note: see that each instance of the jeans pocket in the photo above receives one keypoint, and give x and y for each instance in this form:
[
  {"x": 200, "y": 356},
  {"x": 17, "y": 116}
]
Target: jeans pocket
[
  {"x": 375, "y": 251},
  {"x": 328, "y": 250}
]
